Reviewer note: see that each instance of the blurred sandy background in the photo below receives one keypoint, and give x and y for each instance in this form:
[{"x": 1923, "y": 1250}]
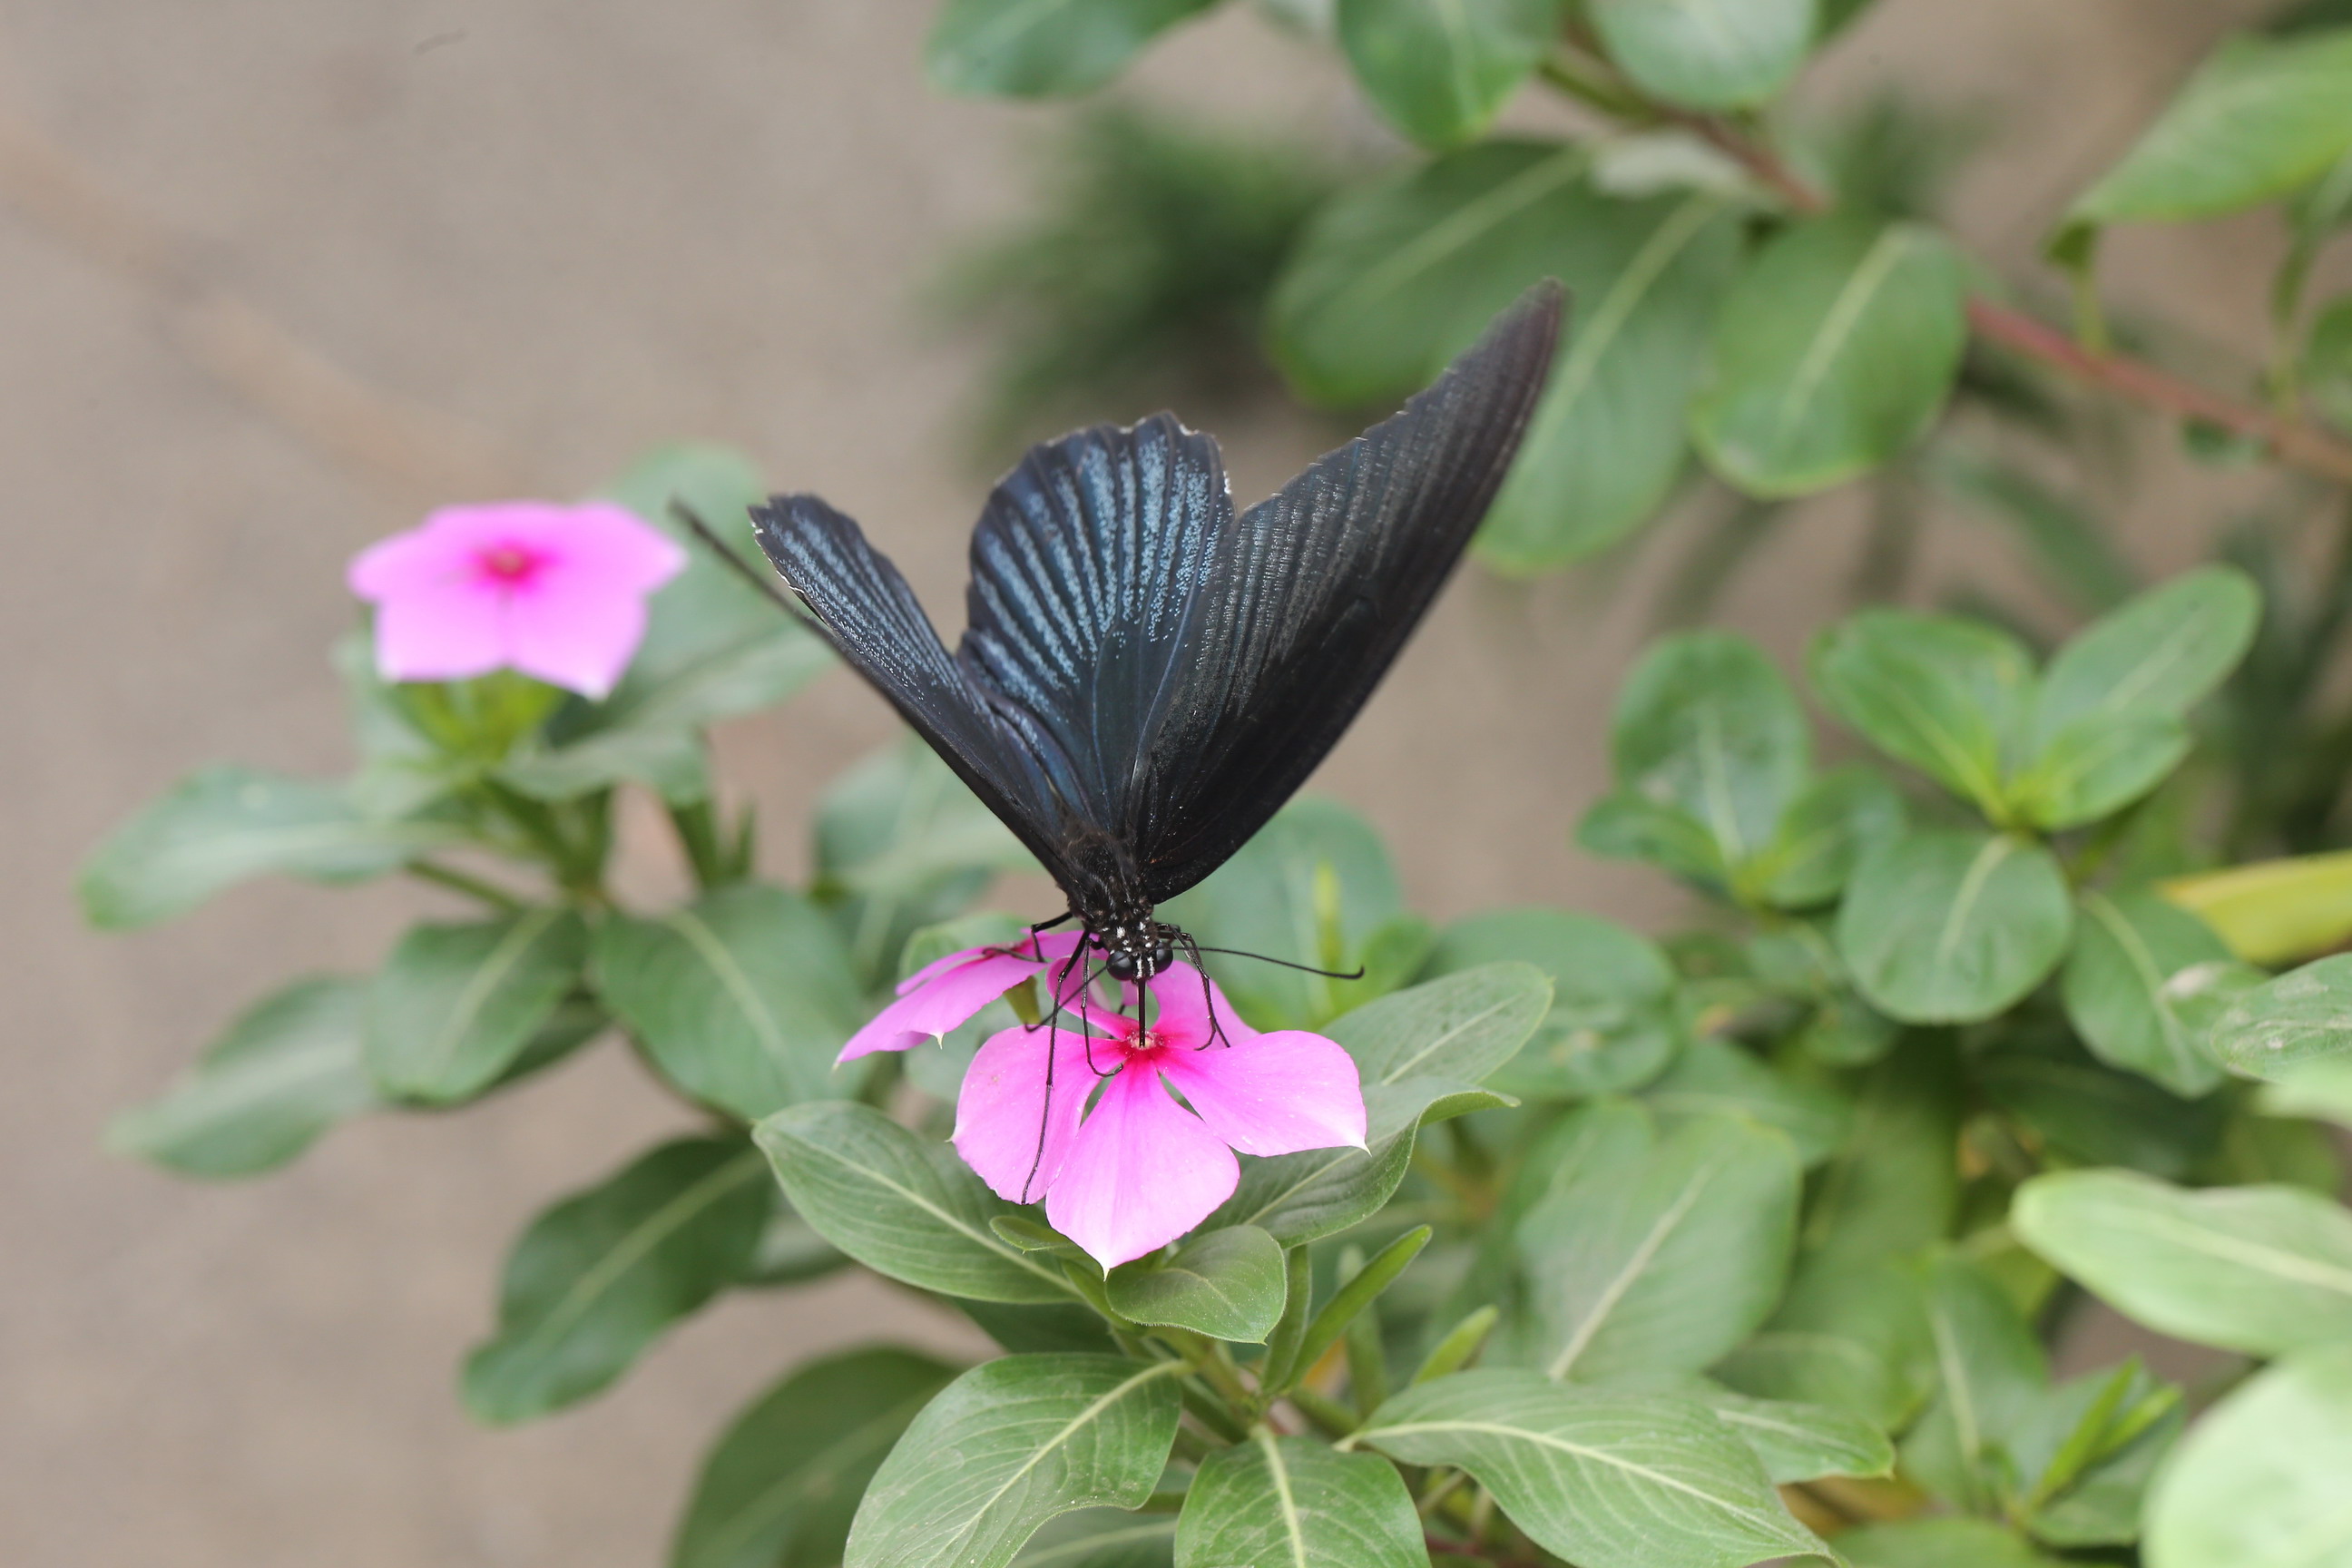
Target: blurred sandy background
[{"x": 274, "y": 275}]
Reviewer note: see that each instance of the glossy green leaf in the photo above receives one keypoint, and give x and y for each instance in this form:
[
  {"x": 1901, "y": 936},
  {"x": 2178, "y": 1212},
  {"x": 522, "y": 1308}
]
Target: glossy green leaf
[
  {"x": 1422, "y": 1054},
  {"x": 1705, "y": 723},
  {"x": 222, "y": 825},
  {"x": 1705, "y": 56},
  {"x": 1944, "y": 926},
  {"x": 1612, "y": 1024},
  {"x": 1663, "y": 1265},
  {"x": 1044, "y": 49},
  {"x": 1606, "y": 443},
  {"x": 1850, "y": 1335},
  {"x": 2096, "y": 766},
  {"x": 2157, "y": 654},
  {"x": 1439, "y": 70},
  {"x": 1991, "y": 1379},
  {"x": 2259, "y": 1483},
  {"x": 902, "y": 1205},
  {"x": 455, "y": 1007},
  {"x": 1943, "y": 694},
  {"x": 2303, "y": 1015},
  {"x": 1315, "y": 887},
  {"x": 1716, "y": 1078},
  {"x": 1826, "y": 829},
  {"x": 1008, "y": 1445},
  {"x": 1295, "y": 1502},
  {"x": 1833, "y": 353},
  {"x": 1797, "y": 1442},
  {"x": 1228, "y": 1284},
  {"x": 742, "y": 998},
  {"x": 1605, "y": 1480},
  {"x": 288, "y": 1069},
  {"x": 602, "y": 1274},
  {"x": 1102, "y": 1538},
  {"x": 2143, "y": 984},
  {"x": 2262, "y": 1269},
  {"x": 902, "y": 844},
  {"x": 1627, "y": 828},
  {"x": 782, "y": 1480},
  {"x": 1946, "y": 1543},
  {"x": 2258, "y": 119}
]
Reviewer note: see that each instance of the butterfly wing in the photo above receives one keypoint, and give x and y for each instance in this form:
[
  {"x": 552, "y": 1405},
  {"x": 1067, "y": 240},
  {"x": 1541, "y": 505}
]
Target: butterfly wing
[{"x": 1310, "y": 595}]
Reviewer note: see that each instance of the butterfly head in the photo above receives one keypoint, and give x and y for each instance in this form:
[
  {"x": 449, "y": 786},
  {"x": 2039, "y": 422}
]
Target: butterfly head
[{"x": 1134, "y": 946}]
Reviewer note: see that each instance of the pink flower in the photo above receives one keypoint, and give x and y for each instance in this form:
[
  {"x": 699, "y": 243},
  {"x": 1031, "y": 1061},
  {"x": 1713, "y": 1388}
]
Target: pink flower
[
  {"x": 942, "y": 994},
  {"x": 556, "y": 592},
  {"x": 1143, "y": 1170}
]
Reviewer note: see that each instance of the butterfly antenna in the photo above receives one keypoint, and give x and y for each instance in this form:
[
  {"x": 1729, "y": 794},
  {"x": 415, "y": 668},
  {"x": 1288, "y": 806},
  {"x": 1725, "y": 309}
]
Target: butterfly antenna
[
  {"x": 721, "y": 549},
  {"x": 1355, "y": 973}
]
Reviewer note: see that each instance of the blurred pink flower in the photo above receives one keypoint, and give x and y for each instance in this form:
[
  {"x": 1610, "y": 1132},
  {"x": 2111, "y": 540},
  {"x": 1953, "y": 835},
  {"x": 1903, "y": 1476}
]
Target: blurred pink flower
[
  {"x": 556, "y": 592},
  {"x": 1143, "y": 1170}
]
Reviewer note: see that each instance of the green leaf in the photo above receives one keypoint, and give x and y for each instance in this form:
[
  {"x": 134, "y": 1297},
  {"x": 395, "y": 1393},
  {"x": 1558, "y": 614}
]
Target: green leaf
[
  {"x": 1606, "y": 1480},
  {"x": 1716, "y": 1078},
  {"x": 1826, "y": 829},
  {"x": 2327, "y": 361},
  {"x": 2303, "y": 1015},
  {"x": 2157, "y": 656},
  {"x": 602, "y": 1275},
  {"x": 1042, "y": 49},
  {"x": 902, "y": 1205},
  {"x": 1315, "y": 887},
  {"x": 2142, "y": 983},
  {"x": 2274, "y": 912},
  {"x": 1893, "y": 1189},
  {"x": 456, "y": 1006},
  {"x": 2085, "y": 1459},
  {"x": 1945, "y": 926},
  {"x": 1422, "y": 1054},
  {"x": 1008, "y": 1445},
  {"x": 1612, "y": 1024},
  {"x": 2262, "y": 1269},
  {"x": 742, "y": 998},
  {"x": 1627, "y": 828},
  {"x": 222, "y": 825},
  {"x": 1439, "y": 70},
  {"x": 1849, "y": 1335},
  {"x": 1103, "y": 1537},
  {"x": 1833, "y": 353},
  {"x": 780, "y": 1484},
  {"x": 1991, "y": 1380},
  {"x": 1664, "y": 1264},
  {"x": 1705, "y": 724},
  {"x": 1939, "y": 1544},
  {"x": 2259, "y": 1483},
  {"x": 1228, "y": 1284},
  {"x": 902, "y": 844},
  {"x": 1944, "y": 694},
  {"x": 2096, "y": 766},
  {"x": 1797, "y": 1442},
  {"x": 287, "y": 1069},
  {"x": 1606, "y": 443},
  {"x": 2090, "y": 1114},
  {"x": 2258, "y": 119},
  {"x": 1294, "y": 1502},
  {"x": 1705, "y": 56}
]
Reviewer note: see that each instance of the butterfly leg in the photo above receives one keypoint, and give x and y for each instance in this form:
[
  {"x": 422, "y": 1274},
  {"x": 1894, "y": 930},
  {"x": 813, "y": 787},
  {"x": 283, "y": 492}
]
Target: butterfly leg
[
  {"x": 1052, "y": 1050},
  {"x": 1208, "y": 997}
]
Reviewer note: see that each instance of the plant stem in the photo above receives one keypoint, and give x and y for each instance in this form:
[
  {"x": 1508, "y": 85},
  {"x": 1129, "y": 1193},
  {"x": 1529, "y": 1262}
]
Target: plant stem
[{"x": 464, "y": 882}]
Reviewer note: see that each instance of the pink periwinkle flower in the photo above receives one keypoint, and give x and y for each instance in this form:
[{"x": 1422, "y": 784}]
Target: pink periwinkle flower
[
  {"x": 943, "y": 994},
  {"x": 556, "y": 592},
  {"x": 1140, "y": 1169}
]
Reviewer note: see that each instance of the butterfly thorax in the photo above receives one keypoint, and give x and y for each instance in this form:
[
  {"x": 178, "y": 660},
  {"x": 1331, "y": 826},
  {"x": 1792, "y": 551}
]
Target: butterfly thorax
[{"x": 1134, "y": 946}]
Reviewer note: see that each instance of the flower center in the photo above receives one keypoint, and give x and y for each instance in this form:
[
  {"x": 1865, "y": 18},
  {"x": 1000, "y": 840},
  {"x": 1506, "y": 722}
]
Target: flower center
[{"x": 510, "y": 566}]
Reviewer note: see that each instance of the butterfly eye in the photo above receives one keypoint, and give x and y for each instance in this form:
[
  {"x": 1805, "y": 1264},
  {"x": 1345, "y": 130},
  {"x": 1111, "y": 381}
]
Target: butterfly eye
[
  {"x": 1161, "y": 957},
  {"x": 1121, "y": 965}
]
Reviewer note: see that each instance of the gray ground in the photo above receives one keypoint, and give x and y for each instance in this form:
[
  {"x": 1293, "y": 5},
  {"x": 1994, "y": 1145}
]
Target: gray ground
[{"x": 277, "y": 276}]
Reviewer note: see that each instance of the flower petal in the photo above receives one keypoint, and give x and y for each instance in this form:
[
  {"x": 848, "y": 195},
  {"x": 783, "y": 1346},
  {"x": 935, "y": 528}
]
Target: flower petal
[
  {"x": 1180, "y": 1005},
  {"x": 614, "y": 546},
  {"x": 937, "y": 1005},
  {"x": 1011, "y": 1127},
  {"x": 1140, "y": 1172},
  {"x": 1047, "y": 949},
  {"x": 1273, "y": 1094},
  {"x": 442, "y": 631},
  {"x": 570, "y": 630}
]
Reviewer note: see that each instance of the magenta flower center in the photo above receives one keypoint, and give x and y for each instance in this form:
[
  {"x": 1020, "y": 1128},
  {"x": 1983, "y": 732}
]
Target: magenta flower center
[{"x": 508, "y": 565}]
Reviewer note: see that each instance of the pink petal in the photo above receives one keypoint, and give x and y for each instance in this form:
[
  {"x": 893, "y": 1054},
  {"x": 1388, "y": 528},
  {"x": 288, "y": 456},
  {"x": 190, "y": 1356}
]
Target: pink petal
[
  {"x": 444, "y": 631},
  {"x": 573, "y": 631},
  {"x": 937, "y": 1005},
  {"x": 1272, "y": 1094},
  {"x": 1008, "y": 1128},
  {"x": 1140, "y": 1172},
  {"x": 614, "y": 546},
  {"x": 1049, "y": 947},
  {"x": 1181, "y": 1002}
]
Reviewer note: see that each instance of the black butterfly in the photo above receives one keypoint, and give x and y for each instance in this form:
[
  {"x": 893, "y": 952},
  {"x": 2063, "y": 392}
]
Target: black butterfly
[{"x": 1145, "y": 677}]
